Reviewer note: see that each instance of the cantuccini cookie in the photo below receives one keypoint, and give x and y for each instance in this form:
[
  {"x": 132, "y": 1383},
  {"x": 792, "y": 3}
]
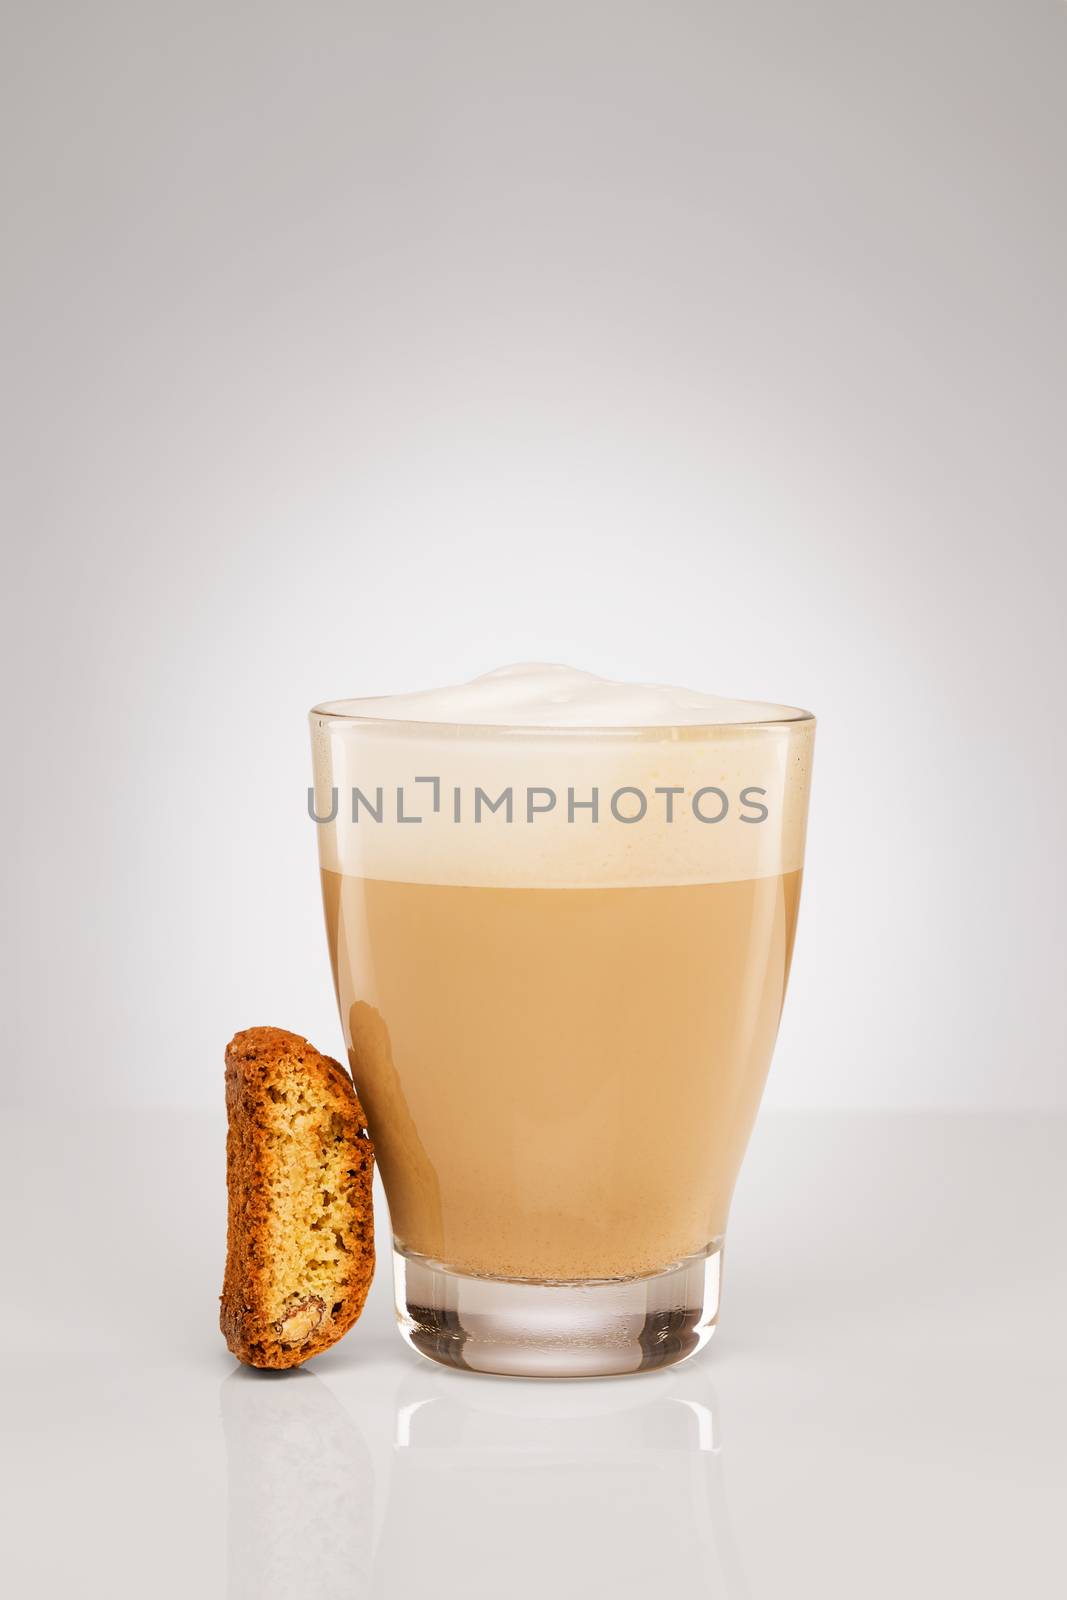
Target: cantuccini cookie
[{"x": 299, "y": 1164}]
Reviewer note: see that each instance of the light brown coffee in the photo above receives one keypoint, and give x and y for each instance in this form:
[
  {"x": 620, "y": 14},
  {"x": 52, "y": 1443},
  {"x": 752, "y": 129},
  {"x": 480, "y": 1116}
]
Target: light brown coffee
[{"x": 560, "y": 1082}]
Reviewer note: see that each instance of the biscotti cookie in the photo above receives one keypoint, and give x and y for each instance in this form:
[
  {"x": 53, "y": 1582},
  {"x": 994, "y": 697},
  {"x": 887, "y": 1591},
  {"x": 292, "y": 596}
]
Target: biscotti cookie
[{"x": 299, "y": 1164}]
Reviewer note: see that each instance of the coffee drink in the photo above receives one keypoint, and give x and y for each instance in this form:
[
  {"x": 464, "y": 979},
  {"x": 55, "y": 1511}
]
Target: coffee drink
[{"x": 560, "y": 915}]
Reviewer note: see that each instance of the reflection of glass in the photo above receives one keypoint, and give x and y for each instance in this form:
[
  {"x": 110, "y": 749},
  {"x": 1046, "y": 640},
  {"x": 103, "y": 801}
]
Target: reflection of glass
[
  {"x": 526, "y": 1493},
  {"x": 300, "y": 1480},
  {"x": 560, "y": 959}
]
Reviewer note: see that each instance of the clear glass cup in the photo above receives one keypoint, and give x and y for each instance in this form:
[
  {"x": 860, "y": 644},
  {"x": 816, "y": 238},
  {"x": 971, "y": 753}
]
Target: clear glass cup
[{"x": 560, "y": 958}]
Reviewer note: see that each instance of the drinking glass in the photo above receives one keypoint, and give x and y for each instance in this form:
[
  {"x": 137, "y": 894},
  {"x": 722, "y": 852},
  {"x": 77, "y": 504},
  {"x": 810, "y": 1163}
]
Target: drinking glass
[{"x": 560, "y": 957}]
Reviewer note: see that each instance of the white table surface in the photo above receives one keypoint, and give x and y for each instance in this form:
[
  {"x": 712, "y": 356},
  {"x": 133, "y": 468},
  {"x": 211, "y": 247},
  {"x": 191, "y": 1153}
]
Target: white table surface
[{"x": 881, "y": 1413}]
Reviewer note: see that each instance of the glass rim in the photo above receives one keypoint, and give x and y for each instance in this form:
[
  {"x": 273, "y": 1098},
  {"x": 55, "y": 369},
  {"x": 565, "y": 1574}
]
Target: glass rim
[{"x": 329, "y": 712}]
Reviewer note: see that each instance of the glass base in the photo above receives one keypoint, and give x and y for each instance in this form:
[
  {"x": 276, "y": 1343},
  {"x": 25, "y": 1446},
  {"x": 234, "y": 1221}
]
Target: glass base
[{"x": 522, "y": 1328}]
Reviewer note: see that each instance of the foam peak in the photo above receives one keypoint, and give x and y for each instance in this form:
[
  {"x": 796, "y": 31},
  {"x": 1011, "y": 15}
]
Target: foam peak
[{"x": 548, "y": 695}]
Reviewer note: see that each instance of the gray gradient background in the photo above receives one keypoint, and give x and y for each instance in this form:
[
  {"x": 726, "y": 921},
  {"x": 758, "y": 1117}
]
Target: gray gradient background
[{"x": 350, "y": 348}]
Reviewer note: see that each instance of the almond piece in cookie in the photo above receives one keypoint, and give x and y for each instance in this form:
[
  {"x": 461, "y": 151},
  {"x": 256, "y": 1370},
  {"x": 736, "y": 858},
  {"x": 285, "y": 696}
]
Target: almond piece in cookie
[{"x": 299, "y": 1164}]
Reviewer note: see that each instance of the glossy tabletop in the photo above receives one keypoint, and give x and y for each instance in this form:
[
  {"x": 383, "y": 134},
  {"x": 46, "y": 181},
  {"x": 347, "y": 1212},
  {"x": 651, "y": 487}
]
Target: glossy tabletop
[{"x": 881, "y": 1413}]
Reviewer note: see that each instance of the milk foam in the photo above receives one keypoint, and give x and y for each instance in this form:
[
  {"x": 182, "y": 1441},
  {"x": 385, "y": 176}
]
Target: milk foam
[
  {"x": 543, "y": 695},
  {"x": 650, "y": 785}
]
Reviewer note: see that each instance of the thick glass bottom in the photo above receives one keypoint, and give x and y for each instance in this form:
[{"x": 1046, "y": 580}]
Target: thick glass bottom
[{"x": 522, "y": 1328}]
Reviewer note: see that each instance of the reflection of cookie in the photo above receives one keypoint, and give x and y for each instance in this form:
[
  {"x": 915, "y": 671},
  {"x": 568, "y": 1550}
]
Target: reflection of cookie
[
  {"x": 301, "y": 1490},
  {"x": 299, "y": 1163},
  {"x": 398, "y": 1144}
]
